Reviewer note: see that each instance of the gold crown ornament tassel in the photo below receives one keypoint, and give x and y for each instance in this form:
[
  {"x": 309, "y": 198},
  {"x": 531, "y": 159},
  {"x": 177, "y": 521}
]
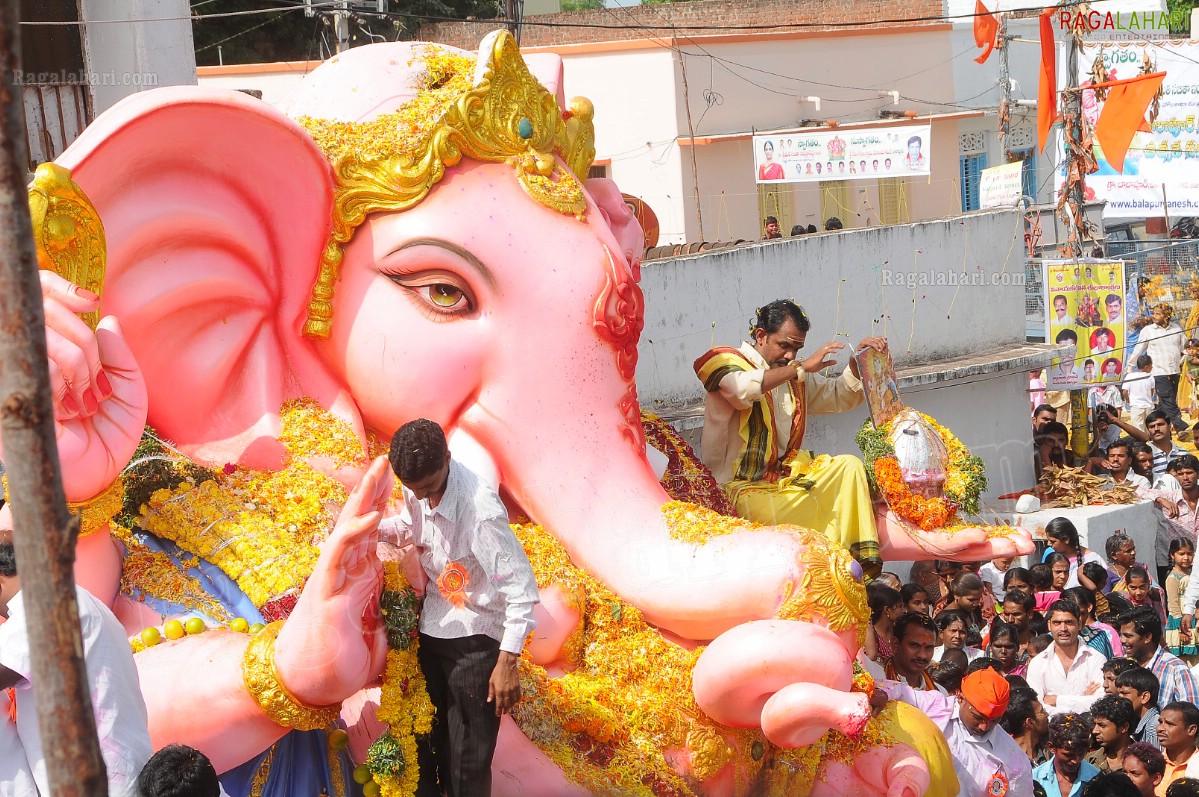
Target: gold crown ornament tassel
[{"x": 490, "y": 109}]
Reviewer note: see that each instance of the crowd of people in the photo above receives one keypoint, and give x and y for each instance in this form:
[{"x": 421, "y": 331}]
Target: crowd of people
[{"x": 1048, "y": 677}]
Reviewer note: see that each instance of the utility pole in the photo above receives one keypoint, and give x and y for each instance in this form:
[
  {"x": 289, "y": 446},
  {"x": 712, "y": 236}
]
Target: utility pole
[
  {"x": 44, "y": 531},
  {"x": 1005, "y": 90},
  {"x": 1077, "y": 158},
  {"x": 341, "y": 25},
  {"x": 514, "y": 11}
]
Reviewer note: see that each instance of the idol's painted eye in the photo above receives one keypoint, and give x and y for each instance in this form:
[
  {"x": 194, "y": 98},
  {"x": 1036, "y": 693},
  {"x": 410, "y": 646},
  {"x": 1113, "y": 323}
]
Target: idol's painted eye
[{"x": 441, "y": 294}]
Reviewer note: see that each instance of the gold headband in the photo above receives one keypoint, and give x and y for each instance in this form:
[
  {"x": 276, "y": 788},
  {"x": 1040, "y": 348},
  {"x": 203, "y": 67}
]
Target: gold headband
[{"x": 494, "y": 112}]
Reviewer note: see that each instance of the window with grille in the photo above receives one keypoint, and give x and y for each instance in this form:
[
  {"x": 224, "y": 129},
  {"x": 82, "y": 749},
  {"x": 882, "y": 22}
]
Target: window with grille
[
  {"x": 971, "y": 175},
  {"x": 1028, "y": 173},
  {"x": 598, "y": 171},
  {"x": 893, "y": 201}
]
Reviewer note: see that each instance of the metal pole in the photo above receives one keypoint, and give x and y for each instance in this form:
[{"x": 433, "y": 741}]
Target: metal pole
[
  {"x": 44, "y": 531},
  {"x": 1005, "y": 91}
]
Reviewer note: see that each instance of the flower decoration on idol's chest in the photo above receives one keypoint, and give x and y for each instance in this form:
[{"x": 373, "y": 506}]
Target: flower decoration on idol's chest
[{"x": 452, "y": 584}]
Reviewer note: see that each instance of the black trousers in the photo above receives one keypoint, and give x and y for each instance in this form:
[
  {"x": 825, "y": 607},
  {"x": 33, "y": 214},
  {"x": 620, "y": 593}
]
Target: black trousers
[
  {"x": 455, "y": 759},
  {"x": 1167, "y": 399}
]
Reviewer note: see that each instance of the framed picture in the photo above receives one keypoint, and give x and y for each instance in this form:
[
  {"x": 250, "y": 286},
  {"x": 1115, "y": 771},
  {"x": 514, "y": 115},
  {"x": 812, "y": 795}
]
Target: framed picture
[{"x": 879, "y": 385}]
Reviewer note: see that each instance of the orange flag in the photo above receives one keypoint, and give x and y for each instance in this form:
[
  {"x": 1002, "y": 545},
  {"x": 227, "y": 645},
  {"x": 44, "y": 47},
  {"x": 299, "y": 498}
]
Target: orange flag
[
  {"x": 986, "y": 27},
  {"x": 1047, "y": 96},
  {"x": 1123, "y": 114}
]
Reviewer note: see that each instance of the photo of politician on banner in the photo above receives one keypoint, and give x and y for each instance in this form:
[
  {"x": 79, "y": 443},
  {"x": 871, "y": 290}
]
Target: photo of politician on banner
[{"x": 1084, "y": 316}]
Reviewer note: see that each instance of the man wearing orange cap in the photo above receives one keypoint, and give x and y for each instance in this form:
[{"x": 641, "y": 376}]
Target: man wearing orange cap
[{"x": 987, "y": 761}]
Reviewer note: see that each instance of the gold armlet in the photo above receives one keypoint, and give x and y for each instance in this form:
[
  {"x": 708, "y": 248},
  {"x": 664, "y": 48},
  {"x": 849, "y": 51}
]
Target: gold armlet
[
  {"x": 264, "y": 685},
  {"x": 94, "y": 513}
]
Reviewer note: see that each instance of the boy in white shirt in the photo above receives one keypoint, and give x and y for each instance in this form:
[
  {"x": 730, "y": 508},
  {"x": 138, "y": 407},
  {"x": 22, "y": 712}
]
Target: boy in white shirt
[{"x": 1140, "y": 393}]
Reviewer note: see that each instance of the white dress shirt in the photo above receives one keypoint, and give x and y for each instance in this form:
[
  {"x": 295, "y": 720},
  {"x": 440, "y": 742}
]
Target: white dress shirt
[
  {"x": 976, "y": 759},
  {"x": 469, "y": 530},
  {"x": 16, "y": 778},
  {"x": 121, "y": 720},
  {"x": 1047, "y": 677},
  {"x": 1164, "y": 347}
]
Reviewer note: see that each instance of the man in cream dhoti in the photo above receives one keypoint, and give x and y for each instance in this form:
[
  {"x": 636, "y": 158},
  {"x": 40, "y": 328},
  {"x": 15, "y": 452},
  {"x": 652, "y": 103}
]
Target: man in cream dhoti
[{"x": 758, "y": 400}]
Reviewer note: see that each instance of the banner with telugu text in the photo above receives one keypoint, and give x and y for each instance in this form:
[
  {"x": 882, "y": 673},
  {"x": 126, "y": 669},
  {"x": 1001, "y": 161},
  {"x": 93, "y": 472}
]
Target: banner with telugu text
[
  {"x": 1084, "y": 312},
  {"x": 1167, "y": 157},
  {"x": 1001, "y": 186},
  {"x": 801, "y": 157}
]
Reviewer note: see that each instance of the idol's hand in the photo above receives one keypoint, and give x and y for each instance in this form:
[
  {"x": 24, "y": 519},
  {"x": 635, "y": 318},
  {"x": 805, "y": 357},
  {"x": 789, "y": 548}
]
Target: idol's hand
[
  {"x": 97, "y": 389},
  {"x": 333, "y": 644}
]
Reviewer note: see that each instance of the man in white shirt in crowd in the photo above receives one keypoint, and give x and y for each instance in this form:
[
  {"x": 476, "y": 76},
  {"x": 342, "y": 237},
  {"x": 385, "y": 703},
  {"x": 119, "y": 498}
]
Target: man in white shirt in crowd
[
  {"x": 1163, "y": 341},
  {"x": 1067, "y": 675},
  {"x": 477, "y": 611},
  {"x": 16, "y": 779},
  {"x": 120, "y": 712},
  {"x": 915, "y": 640},
  {"x": 1139, "y": 392}
]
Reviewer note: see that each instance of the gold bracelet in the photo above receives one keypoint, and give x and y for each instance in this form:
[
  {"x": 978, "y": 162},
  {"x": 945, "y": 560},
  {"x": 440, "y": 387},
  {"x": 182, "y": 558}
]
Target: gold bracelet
[
  {"x": 264, "y": 685},
  {"x": 94, "y": 513}
]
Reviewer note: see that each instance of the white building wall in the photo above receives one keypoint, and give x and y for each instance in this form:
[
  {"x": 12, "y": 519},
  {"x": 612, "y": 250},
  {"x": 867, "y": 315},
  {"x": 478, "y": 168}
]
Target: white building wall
[
  {"x": 275, "y": 81},
  {"x": 132, "y": 56}
]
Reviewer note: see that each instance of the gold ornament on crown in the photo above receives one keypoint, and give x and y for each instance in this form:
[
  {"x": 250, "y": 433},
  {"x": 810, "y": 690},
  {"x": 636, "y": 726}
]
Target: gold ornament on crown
[
  {"x": 493, "y": 111},
  {"x": 67, "y": 231}
]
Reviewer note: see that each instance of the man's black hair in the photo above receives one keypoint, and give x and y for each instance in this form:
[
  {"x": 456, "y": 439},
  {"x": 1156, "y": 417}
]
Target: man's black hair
[
  {"x": 798, "y": 229},
  {"x": 1020, "y": 708},
  {"x": 1054, "y": 427},
  {"x": 812, "y": 228},
  {"x": 1026, "y": 601},
  {"x": 1063, "y": 605},
  {"x": 1144, "y": 360},
  {"x": 1189, "y": 711},
  {"x": 178, "y": 771},
  {"x": 1118, "y": 665},
  {"x": 910, "y": 619},
  {"x": 1156, "y": 415},
  {"x": 8, "y": 559},
  {"x": 1188, "y": 461},
  {"x": 1069, "y": 729},
  {"x": 833, "y": 223},
  {"x": 772, "y": 220},
  {"x": 1145, "y": 622},
  {"x": 1183, "y": 787},
  {"x": 1110, "y": 784},
  {"x": 1044, "y": 408},
  {"x": 984, "y": 663},
  {"x": 1141, "y": 679},
  {"x": 418, "y": 450},
  {"x": 771, "y": 317},
  {"x": 1117, "y": 710},
  {"x": 1066, "y": 334}
]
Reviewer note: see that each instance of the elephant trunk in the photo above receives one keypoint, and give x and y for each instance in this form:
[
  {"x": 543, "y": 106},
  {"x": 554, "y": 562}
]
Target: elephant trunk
[{"x": 578, "y": 468}]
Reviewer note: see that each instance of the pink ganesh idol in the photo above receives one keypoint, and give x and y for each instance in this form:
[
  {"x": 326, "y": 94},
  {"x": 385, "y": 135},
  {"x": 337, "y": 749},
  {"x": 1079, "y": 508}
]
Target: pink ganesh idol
[{"x": 416, "y": 237}]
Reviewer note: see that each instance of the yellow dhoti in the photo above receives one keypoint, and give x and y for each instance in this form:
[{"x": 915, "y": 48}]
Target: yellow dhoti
[{"x": 827, "y": 493}]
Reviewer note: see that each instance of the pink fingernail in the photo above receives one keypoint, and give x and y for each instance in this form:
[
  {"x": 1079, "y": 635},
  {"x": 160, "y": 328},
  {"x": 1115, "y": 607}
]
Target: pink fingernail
[
  {"x": 89, "y": 404},
  {"x": 70, "y": 406},
  {"x": 103, "y": 384},
  {"x": 86, "y": 294}
]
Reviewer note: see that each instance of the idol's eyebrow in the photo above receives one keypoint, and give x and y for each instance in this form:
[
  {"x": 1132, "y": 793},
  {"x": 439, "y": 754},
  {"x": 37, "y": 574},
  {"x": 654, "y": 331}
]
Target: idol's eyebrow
[{"x": 450, "y": 246}]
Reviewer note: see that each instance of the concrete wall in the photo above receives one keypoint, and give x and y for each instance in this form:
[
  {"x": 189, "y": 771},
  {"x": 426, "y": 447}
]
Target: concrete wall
[
  {"x": 693, "y": 303},
  {"x": 130, "y": 57}
]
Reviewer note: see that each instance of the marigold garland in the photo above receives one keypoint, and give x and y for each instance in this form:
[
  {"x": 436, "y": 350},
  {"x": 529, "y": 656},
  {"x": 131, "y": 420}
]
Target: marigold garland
[
  {"x": 404, "y": 704},
  {"x": 964, "y": 482}
]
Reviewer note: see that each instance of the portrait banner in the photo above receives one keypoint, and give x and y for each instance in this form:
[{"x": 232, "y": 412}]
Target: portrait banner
[
  {"x": 1162, "y": 162},
  {"x": 1084, "y": 314},
  {"x": 843, "y": 155}
]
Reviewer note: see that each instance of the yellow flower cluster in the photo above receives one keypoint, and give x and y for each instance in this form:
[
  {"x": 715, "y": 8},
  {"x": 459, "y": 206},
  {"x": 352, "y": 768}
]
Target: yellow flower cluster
[
  {"x": 697, "y": 525},
  {"x": 262, "y": 528}
]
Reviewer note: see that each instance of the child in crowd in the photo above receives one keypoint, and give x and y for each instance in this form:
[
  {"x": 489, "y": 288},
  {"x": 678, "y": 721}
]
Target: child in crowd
[
  {"x": 1041, "y": 643},
  {"x": 915, "y": 599},
  {"x": 1005, "y": 648},
  {"x": 1188, "y": 396},
  {"x": 1142, "y": 592},
  {"x": 1111, "y": 671},
  {"x": 953, "y": 628},
  {"x": 993, "y": 573},
  {"x": 1182, "y": 556},
  {"x": 1059, "y": 570},
  {"x": 1140, "y": 687},
  {"x": 886, "y": 606},
  {"x": 1036, "y": 388},
  {"x": 1098, "y": 580},
  {"x": 1018, "y": 578},
  {"x": 948, "y": 673},
  {"x": 967, "y": 592},
  {"x": 1139, "y": 392},
  {"x": 1042, "y": 582}
]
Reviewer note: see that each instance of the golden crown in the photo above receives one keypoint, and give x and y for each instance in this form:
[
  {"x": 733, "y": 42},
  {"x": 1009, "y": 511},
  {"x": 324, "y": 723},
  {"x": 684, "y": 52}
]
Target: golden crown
[{"x": 491, "y": 110}]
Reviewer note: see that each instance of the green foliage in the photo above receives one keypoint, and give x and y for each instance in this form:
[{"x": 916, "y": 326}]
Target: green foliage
[
  {"x": 1180, "y": 15},
  {"x": 291, "y": 36},
  {"x": 154, "y": 467},
  {"x": 582, "y": 5},
  {"x": 385, "y": 757},
  {"x": 401, "y": 615},
  {"x": 874, "y": 443}
]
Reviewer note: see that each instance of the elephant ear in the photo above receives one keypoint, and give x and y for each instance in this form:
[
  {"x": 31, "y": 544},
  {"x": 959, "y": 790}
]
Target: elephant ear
[{"x": 216, "y": 208}]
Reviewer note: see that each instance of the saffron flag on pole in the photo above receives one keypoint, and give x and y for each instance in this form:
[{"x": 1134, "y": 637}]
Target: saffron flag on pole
[
  {"x": 986, "y": 27},
  {"x": 1124, "y": 114},
  {"x": 1047, "y": 95}
]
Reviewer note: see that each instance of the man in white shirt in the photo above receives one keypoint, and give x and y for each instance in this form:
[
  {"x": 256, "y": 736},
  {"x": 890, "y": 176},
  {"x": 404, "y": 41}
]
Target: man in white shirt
[
  {"x": 16, "y": 779},
  {"x": 1163, "y": 341},
  {"x": 477, "y": 611},
  {"x": 1067, "y": 675},
  {"x": 120, "y": 711},
  {"x": 1061, "y": 314},
  {"x": 1140, "y": 392}
]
